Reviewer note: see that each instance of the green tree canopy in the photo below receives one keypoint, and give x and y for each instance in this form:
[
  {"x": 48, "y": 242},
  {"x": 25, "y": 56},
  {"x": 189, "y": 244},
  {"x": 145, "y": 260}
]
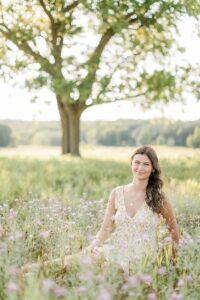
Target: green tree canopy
[
  {"x": 193, "y": 140},
  {"x": 89, "y": 52}
]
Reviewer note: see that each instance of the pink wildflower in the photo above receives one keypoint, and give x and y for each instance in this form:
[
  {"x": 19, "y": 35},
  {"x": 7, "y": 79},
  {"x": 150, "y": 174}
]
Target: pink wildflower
[
  {"x": 48, "y": 285},
  {"x": 132, "y": 281},
  {"x": 51, "y": 286},
  {"x": 104, "y": 294},
  {"x": 38, "y": 222},
  {"x": 91, "y": 238},
  {"x": 146, "y": 279},
  {"x": 60, "y": 291},
  {"x": 152, "y": 296},
  {"x": 189, "y": 278},
  {"x": 82, "y": 289},
  {"x": 45, "y": 234},
  {"x": 13, "y": 271},
  {"x": 162, "y": 271},
  {"x": 176, "y": 296},
  {"x": 86, "y": 260},
  {"x": 86, "y": 276},
  {"x": 11, "y": 287},
  {"x": 125, "y": 287},
  {"x": 12, "y": 214},
  {"x": 11, "y": 238}
]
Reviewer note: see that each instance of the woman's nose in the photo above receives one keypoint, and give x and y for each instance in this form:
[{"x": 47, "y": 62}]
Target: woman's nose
[{"x": 141, "y": 167}]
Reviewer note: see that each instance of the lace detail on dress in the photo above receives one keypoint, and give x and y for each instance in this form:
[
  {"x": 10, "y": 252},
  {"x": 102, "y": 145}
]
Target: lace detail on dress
[{"x": 133, "y": 237}]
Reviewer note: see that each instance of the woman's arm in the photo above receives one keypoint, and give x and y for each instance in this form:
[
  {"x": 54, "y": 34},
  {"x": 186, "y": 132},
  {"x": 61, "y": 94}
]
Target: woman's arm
[
  {"x": 107, "y": 224},
  {"x": 170, "y": 219}
]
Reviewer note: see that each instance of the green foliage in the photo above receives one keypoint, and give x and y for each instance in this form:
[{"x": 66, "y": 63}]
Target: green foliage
[
  {"x": 5, "y": 135},
  {"x": 116, "y": 133},
  {"x": 193, "y": 140},
  {"x": 138, "y": 30},
  {"x": 49, "y": 42}
]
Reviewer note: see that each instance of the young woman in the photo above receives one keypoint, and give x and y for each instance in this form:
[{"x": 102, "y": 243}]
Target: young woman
[
  {"x": 133, "y": 217},
  {"x": 135, "y": 213}
]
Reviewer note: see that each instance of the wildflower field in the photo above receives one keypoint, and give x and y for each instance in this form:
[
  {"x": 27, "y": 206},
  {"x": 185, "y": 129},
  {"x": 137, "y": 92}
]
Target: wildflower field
[{"x": 53, "y": 206}]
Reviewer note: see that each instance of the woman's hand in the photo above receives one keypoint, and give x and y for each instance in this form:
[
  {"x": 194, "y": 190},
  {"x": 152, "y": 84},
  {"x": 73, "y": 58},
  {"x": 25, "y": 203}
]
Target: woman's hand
[{"x": 93, "y": 248}]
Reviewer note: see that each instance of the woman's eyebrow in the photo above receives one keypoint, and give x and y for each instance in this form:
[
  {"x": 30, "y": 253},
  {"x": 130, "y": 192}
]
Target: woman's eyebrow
[{"x": 144, "y": 162}]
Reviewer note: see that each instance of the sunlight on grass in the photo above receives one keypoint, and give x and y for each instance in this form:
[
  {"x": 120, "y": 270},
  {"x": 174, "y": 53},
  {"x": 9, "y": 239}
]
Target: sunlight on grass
[
  {"x": 95, "y": 152},
  {"x": 52, "y": 205}
]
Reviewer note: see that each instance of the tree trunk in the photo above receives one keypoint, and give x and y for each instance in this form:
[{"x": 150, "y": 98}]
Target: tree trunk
[
  {"x": 64, "y": 119},
  {"x": 74, "y": 132},
  {"x": 70, "y": 124}
]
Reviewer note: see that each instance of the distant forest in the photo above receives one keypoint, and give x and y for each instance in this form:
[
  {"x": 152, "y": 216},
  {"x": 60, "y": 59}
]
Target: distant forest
[{"x": 115, "y": 133}]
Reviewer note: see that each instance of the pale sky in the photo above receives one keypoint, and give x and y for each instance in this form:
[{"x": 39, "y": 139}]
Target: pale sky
[{"x": 15, "y": 102}]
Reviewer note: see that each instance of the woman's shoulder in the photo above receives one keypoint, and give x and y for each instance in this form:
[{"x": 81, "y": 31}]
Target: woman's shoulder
[
  {"x": 118, "y": 188},
  {"x": 115, "y": 191},
  {"x": 115, "y": 195}
]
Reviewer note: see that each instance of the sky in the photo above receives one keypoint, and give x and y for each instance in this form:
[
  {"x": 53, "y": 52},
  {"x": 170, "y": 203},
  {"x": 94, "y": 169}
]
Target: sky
[{"x": 15, "y": 102}]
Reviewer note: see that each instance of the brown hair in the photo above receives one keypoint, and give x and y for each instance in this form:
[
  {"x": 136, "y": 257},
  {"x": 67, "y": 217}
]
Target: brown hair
[{"x": 154, "y": 193}]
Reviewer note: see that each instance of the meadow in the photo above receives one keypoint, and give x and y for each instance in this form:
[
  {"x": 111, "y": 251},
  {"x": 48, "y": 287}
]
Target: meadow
[{"x": 51, "y": 206}]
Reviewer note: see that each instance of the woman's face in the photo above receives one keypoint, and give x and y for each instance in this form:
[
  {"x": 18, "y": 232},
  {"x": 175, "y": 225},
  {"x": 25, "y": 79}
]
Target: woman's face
[{"x": 141, "y": 166}]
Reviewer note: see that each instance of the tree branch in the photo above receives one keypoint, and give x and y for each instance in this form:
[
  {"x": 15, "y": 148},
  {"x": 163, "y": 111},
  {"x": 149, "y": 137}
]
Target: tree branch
[
  {"x": 23, "y": 45},
  {"x": 128, "y": 98},
  {"x": 93, "y": 64},
  {"x": 71, "y": 6},
  {"x": 46, "y": 11}
]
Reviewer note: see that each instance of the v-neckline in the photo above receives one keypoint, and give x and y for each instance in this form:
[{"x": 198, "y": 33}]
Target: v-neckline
[{"x": 126, "y": 209}]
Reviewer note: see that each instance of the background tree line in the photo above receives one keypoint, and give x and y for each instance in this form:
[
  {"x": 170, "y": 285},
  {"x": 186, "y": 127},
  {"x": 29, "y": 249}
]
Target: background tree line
[
  {"x": 118, "y": 133},
  {"x": 94, "y": 52}
]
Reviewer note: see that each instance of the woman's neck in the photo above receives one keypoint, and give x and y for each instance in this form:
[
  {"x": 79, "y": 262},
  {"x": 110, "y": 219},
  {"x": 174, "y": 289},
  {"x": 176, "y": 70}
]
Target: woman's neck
[{"x": 139, "y": 185}]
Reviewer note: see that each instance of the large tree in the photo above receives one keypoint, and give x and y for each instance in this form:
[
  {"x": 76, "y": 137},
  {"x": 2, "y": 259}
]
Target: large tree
[{"x": 89, "y": 52}]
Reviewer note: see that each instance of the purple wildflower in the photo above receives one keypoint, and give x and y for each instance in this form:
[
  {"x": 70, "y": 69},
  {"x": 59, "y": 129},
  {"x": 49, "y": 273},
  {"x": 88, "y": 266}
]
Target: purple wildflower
[
  {"x": 60, "y": 291},
  {"x": 82, "y": 289},
  {"x": 45, "y": 234},
  {"x": 132, "y": 281},
  {"x": 48, "y": 285},
  {"x": 146, "y": 279},
  {"x": 104, "y": 294},
  {"x": 13, "y": 271},
  {"x": 152, "y": 296},
  {"x": 176, "y": 296},
  {"x": 162, "y": 271},
  {"x": 86, "y": 260},
  {"x": 189, "y": 278},
  {"x": 38, "y": 222}
]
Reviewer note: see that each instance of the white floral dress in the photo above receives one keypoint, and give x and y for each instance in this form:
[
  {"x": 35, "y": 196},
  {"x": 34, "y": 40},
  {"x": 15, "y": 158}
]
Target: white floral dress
[{"x": 133, "y": 237}]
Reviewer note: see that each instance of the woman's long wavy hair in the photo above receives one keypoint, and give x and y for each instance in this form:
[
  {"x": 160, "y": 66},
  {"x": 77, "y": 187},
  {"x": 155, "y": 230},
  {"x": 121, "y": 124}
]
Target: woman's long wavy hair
[{"x": 154, "y": 192}]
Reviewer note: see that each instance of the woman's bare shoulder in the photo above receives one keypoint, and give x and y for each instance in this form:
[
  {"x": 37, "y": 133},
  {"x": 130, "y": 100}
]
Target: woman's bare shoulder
[{"x": 113, "y": 196}]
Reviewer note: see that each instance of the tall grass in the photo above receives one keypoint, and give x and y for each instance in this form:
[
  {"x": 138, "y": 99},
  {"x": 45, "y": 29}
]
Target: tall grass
[{"x": 54, "y": 207}]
